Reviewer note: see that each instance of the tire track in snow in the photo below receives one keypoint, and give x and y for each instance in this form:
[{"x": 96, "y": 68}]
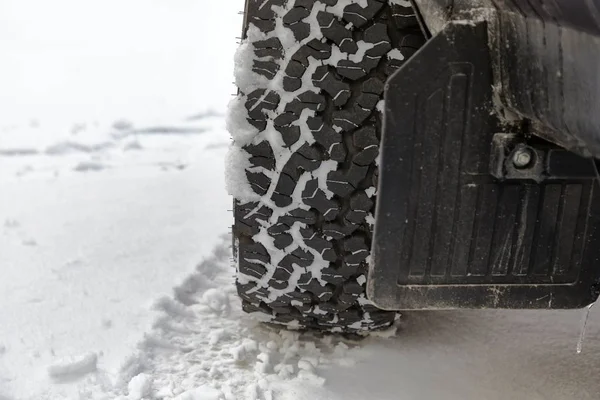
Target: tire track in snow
[{"x": 202, "y": 346}]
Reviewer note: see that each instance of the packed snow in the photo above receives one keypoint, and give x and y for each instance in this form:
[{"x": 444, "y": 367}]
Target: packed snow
[{"x": 116, "y": 273}]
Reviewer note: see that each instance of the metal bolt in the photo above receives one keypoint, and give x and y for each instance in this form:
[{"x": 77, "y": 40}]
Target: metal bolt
[{"x": 522, "y": 157}]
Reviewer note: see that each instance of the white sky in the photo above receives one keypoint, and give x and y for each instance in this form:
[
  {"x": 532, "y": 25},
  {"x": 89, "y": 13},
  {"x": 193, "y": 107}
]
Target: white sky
[{"x": 98, "y": 59}]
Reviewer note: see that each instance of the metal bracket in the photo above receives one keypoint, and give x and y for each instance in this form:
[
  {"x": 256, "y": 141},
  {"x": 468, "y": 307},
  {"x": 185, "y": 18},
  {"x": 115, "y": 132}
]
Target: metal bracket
[{"x": 515, "y": 157}]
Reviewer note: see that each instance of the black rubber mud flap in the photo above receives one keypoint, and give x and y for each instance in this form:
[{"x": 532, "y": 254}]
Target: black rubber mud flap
[{"x": 449, "y": 234}]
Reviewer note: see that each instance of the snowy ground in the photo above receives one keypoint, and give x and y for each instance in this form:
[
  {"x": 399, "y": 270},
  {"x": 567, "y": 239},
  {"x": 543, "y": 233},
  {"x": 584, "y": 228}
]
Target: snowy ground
[
  {"x": 115, "y": 278},
  {"x": 94, "y": 239},
  {"x": 90, "y": 237}
]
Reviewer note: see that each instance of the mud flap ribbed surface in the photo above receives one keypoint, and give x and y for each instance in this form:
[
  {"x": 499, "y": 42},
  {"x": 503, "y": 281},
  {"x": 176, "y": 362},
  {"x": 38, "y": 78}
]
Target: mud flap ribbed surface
[{"x": 447, "y": 233}]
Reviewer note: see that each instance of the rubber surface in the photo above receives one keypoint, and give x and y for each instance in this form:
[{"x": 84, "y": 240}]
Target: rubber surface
[
  {"x": 460, "y": 223},
  {"x": 302, "y": 247}
]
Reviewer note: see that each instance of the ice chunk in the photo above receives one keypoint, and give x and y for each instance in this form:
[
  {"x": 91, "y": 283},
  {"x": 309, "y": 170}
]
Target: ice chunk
[
  {"x": 139, "y": 387},
  {"x": 216, "y": 300},
  {"x": 201, "y": 393},
  {"x": 236, "y": 182},
  {"x": 237, "y": 123},
  {"x": 395, "y": 54},
  {"x": 245, "y": 78},
  {"x": 584, "y": 320}
]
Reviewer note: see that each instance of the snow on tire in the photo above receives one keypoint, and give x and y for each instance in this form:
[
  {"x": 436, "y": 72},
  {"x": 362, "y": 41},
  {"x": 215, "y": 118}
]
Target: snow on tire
[{"x": 303, "y": 165}]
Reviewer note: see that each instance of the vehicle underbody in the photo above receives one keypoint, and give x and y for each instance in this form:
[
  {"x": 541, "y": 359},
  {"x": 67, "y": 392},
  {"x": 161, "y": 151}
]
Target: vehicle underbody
[{"x": 488, "y": 192}]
